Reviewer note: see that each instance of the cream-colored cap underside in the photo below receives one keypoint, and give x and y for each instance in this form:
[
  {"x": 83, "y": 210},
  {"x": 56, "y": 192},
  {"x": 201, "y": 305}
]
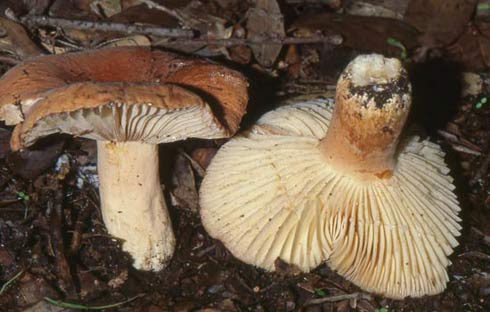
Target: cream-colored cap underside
[
  {"x": 270, "y": 194},
  {"x": 122, "y": 122}
]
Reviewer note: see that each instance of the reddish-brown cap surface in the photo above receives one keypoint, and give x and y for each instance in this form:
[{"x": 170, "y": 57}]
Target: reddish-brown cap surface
[{"x": 124, "y": 75}]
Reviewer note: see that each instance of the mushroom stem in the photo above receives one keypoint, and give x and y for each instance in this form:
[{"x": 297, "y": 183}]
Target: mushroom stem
[
  {"x": 132, "y": 203},
  {"x": 372, "y": 103}
]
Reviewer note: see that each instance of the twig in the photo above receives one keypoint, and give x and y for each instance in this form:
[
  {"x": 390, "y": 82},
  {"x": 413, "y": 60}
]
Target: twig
[
  {"x": 76, "y": 238},
  {"x": 183, "y": 36},
  {"x": 205, "y": 251},
  {"x": 37, "y": 20},
  {"x": 475, "y": 254},
  {"x": 9, "y": 60},
  {"x": 464, "y": 149},
  {"x": 455, "y": 138},
  {"x": 65, "y": 280},
  {"x": 353, "y": 296},
  {"x": 228, "y": 42}
]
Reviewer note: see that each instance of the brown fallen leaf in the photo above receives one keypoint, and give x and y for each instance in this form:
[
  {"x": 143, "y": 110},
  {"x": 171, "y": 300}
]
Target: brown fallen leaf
[
  {"x": 33, "y": 289},
  {"x": 134, "y": 12},
  {"x": 362, "y": 33},
  {"x": 16, "y": 41},
  {"x": 30, "y": 163},
  {"x": 440, "y": 21},
  {"x": 203, "y": 155},
  {"x": 184, "y": 181},
  {"x": 265, "y": 20},
  {"x": 106, "y": 8},
  {"x": 285, "y": 269},
  {"x": 73, "y": 9},
  {"x": 472, "y": 48},
  {"x": 382, "y": 8},
  {"x": 119, "y": 280}
]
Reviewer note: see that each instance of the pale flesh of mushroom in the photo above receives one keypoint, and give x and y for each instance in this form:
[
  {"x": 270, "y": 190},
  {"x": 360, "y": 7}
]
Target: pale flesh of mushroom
[
  {"x": 309, "y": 185},
  {"x": 129, "y": 181}
]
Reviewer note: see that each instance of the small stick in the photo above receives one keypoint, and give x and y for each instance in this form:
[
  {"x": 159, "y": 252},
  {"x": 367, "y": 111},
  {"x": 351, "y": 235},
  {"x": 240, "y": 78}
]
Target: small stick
[
  {"x": 183, "y": 36},
  {"x": 355, "y": 296},
  {"x": 9, "y": 60},
  {"x": 65, "y": 280},
  {"x": 228, "y": 42},
  {"x": 475, "y": 254},
  {"x": 37, "y": 20},
  {"x": 76, "y": 238}
]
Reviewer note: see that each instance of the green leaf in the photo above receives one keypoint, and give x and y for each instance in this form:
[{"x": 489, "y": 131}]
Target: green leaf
[
  {"x": 10, "y": 281},
  {"x": 481, "y": 102},
  {"x": 397, "y": 44},
  {"x": 23, "y": 196},
  {"x": 382, "y": 310},
  {"x": 320, "y": 293},
  {"x": 483, "y": 7}
]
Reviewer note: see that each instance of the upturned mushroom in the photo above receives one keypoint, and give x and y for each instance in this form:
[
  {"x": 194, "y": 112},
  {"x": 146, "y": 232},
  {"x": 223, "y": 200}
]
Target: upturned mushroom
[
  {"x": 309, "y": 183},
  {"x": 129, "y": 100}
]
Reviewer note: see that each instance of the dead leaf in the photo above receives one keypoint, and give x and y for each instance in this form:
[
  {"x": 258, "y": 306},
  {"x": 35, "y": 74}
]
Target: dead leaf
[
  {"x": 30, "y": 163},
  {"x": 136, "y": 12},
  {"x": 440, "y": 21},
  {"x": 73, "y": 9},
  {"x": 203, "y": 155},
  {"x": 265, "y": 20},
  {"x": 37, "y": 7},
  {"x": 184, "y": 182},
  {"x": 198, "y": 16},
  {"x": 472, "y": 48},
  {"x": 106, "y": 8},
  {"x": 33, "y": 289},
  {"x": 136, "y": 40},
  {"x": 240, "y": 54},
  {"x": 362, "y": 33},
  {"x": 286, "y": 269},
  {"x": 119, "y": 280},
  {"x": 16, "y": 41},
  {"x": 471, "y": 84},
  {"x": 381, "y": 8}
]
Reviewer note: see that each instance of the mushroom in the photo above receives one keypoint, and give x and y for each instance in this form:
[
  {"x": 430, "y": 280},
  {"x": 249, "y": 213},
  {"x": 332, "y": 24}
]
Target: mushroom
[
  {"x": 309, "y": 183},
  {"x": 130, "y": 100}
]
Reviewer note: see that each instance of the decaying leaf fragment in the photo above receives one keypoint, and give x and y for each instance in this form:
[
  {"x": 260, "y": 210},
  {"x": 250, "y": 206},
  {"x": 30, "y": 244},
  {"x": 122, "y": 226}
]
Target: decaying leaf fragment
[
  {"x": 265, "y": 20},
  {"x": 15, "y": 40},
  {"x": 364, "y": 33},
  {"x": 440, "y": 21}
]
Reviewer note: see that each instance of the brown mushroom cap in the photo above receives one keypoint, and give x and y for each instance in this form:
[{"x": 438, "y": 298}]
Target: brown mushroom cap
[
  {"x": 129, "y": 99},
  {"x": 34, "y": 79}
]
